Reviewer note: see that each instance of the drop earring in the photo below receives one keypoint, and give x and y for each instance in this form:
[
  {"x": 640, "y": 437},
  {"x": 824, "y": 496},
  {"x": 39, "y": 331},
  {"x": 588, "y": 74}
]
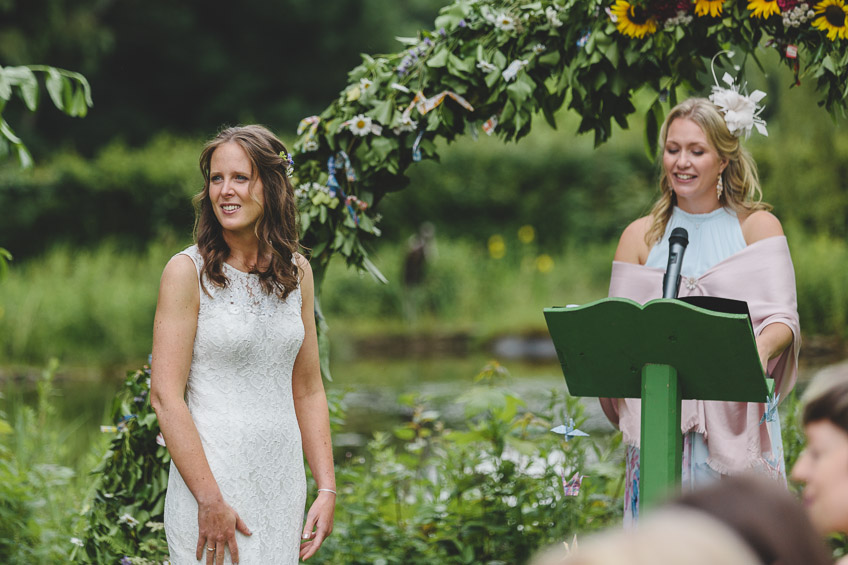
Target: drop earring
[{"x": 719, "y": 187}]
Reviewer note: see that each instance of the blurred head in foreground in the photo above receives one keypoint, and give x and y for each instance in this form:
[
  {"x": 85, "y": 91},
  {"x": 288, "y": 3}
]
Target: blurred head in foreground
[
  {"x": 823, "y": 465},
  {"x": 673, "y": 536},
  {"x": 765, "y": 515}
]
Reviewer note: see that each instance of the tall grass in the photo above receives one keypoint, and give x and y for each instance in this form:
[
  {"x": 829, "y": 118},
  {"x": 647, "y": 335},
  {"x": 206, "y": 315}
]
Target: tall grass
[
  {"x": 43, "y": 478},
  {"x": 96, "y": 307},
  {"x": 90, "y": 307}
]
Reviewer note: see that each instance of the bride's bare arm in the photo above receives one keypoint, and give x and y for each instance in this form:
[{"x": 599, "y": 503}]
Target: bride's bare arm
[
  {"x": 310, "y": 403},
  {"x": 174, "y": 329}
]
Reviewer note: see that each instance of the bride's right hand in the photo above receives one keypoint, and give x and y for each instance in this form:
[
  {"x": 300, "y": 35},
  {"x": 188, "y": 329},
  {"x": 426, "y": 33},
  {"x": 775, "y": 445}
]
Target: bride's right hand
[{"x": 217, "y": 524}]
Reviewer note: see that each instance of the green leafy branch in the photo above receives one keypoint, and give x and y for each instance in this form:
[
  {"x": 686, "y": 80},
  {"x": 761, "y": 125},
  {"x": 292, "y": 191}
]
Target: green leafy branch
[
  {"x": 490, "y": 65},
  {"x": 69, "y": 92}
]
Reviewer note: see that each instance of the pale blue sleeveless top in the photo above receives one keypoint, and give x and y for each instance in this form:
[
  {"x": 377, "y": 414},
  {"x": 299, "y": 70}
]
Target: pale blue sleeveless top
[{"x": 713, "y": 237}]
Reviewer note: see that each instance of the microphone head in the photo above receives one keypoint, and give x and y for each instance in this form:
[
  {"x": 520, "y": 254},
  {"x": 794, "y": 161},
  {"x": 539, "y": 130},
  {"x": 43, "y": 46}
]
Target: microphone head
[{"x": 679, "y": 236}]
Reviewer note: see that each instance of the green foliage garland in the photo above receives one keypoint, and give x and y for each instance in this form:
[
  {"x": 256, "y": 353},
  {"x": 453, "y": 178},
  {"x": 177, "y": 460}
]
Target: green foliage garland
[
  {"x": 510, "y": 59},
  {"x": 124, "y": 516}
]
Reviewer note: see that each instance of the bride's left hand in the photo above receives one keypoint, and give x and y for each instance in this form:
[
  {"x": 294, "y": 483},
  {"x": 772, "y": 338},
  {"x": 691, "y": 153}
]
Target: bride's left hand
[{"x": 319, "y": 524}]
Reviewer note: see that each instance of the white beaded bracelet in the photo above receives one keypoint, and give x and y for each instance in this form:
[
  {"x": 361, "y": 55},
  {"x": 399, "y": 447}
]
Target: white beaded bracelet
[{"x": 327, "y": 490}]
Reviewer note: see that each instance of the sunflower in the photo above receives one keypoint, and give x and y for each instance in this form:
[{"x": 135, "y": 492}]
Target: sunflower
[
  {"x": 832, "y": 16},
  {"x": 633, "y": 20},
  {"x": 708, "y": 7},
  {"x": 763, "y": 8}
]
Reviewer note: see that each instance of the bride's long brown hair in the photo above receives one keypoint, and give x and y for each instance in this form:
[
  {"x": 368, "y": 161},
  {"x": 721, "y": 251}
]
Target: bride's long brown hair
[{"x": 276, "y": 229}]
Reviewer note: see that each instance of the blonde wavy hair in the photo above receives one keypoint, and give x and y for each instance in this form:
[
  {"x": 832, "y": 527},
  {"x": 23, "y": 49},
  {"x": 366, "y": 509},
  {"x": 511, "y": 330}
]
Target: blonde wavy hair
[{"x": 742, "y": 190}]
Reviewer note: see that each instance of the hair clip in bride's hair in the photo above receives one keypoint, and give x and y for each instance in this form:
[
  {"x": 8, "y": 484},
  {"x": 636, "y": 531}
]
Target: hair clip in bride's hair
[{"x": 741, "y": 111}]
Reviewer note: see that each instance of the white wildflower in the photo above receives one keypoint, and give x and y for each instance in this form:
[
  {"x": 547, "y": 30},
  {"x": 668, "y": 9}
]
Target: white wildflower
[
  {"x": 128, "y": 520},
  {"x": 504, "y": 21},
  {"x": 553, "y": 16},
  {"x": 513, "y": 68},
  {"x": 486, "y": 67},
  {"x": 155, "y": 526},
  {"x": 407, "y": 124},
  {"x": 360, "y": 125},
  {"x": 77, "y": 542}
]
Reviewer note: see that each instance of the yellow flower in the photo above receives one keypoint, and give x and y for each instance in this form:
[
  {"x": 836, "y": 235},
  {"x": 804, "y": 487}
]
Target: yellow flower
[
  {"x": 544, "y": 263},
  {"x": 497, "y": 247},
  {"x": 632, "y": 20},
  {"x": 526, "y": 234},
  {"x": 832, "y": 18},
  {"x": 763, "y": 8},
  {"x": 708, "y": 7}
]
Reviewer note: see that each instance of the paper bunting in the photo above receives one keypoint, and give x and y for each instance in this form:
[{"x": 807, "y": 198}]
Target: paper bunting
[
  {"x": 568, "y": 430},
  {"x": 572, "y": 486}
]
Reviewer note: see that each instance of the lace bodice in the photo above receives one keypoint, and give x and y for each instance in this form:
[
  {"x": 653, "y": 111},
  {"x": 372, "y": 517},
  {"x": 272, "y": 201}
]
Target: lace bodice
[{"x": 239, "y": 393}]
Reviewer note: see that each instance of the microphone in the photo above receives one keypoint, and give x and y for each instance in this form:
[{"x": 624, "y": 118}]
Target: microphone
[{"x": 677, "y": 242}]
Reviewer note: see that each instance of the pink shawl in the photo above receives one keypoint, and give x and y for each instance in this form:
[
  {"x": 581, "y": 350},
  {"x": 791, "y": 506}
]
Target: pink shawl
[{"x": 762, "y": 275}]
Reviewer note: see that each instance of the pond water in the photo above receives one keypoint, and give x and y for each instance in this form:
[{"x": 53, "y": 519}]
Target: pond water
[
  {"x": 371, "y": 389},
  {"x": 371, "y": 386}
]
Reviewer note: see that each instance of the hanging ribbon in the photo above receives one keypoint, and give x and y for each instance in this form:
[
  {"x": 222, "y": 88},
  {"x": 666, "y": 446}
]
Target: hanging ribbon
[
  {"x": 416, "y": 150},
  {"x": 428, "y": 104},
  {"x": 310, "y": 122},
  {"x": 333, "y": 183}
]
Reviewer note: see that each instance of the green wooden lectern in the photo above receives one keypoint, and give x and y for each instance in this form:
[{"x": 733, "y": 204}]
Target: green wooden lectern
[{"x": 662, "y": 352}]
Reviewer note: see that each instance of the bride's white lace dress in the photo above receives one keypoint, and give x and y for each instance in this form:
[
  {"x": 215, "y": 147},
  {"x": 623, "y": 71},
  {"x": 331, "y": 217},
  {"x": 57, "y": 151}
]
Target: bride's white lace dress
[{"x": 240, "y": 396}]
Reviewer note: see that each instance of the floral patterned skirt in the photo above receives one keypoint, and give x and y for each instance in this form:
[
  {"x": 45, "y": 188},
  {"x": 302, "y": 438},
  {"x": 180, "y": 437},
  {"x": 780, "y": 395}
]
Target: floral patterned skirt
[{"x": 696, "y": 472}]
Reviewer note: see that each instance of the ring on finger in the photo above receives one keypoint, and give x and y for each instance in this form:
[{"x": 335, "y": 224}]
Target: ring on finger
[{"x": 210, "y": 548}]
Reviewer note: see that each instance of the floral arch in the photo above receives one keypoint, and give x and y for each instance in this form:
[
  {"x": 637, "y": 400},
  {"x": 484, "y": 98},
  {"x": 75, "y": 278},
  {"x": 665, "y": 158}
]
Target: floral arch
[{"x": 489, "y": 65}]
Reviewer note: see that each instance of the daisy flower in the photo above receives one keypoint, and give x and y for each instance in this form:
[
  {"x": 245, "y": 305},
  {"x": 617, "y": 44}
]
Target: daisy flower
[
  {"x": 553, "y": 16},
  {"x": 504, "y": 22},
  {"x": 128, "y": 520},
  {"x": 360, "y": 125}
]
